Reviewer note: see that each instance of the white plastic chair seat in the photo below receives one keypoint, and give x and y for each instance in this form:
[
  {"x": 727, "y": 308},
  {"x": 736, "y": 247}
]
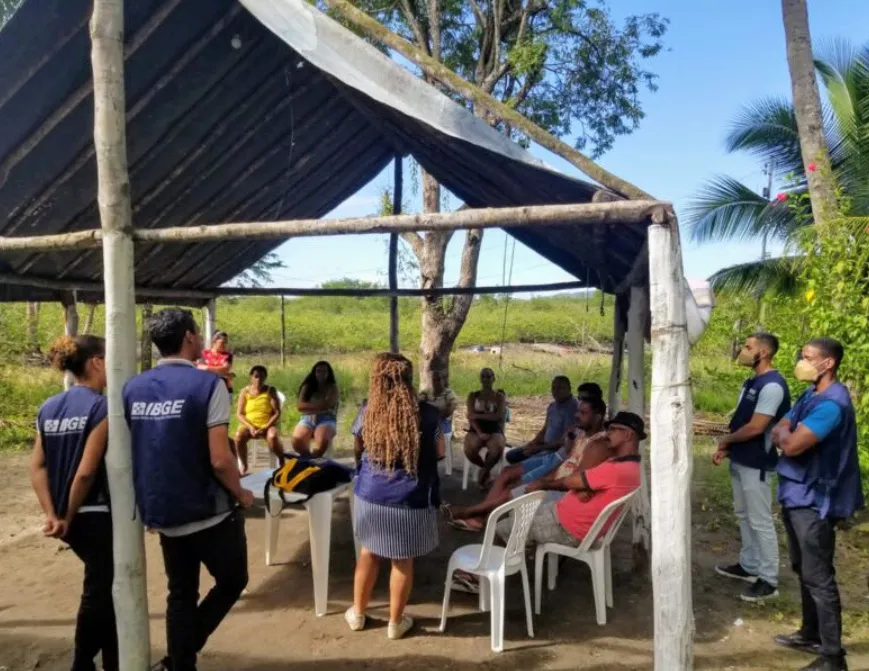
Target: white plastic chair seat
[
  {"x": 468, "y": 466},
  {"x": 492, "y": 564},
  {"x": 594, "y": 551}
]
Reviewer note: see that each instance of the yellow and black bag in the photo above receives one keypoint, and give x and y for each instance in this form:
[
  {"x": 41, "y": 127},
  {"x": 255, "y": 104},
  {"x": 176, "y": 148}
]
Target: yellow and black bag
[{"x": 298, "y": 475}]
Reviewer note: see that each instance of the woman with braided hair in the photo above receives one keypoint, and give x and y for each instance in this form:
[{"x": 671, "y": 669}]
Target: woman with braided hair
[{"x": 397, "y": 491}]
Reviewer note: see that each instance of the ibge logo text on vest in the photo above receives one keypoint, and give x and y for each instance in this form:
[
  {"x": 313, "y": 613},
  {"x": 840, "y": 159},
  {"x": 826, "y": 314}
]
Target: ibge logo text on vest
[
  {"x": 157, "y": 410},
  {"x": 66, "y": 425}
]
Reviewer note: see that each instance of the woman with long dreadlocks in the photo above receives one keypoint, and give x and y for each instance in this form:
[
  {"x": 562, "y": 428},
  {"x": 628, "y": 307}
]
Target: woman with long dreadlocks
[{"x": 397, "y": 490}]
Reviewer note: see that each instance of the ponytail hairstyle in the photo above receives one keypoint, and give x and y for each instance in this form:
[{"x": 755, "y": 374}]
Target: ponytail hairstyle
[
  {"x": 391, "y": 429},
  {"x": 72, "y": 353}
]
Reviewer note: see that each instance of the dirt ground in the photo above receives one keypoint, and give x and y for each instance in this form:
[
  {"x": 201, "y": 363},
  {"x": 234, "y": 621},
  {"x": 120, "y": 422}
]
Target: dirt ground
[{"x": 274, "y": 626}]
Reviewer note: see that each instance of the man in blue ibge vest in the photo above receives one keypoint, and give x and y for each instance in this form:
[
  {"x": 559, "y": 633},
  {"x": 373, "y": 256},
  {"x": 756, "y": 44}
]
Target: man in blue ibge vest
[
  {"x": 819, "y": 486},
  {"x": 763, "y": 402},
  {"x": 187, "y": 483}
]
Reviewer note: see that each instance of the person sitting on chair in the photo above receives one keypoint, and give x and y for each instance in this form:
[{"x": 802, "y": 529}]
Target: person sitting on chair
[
  {"x": 568, "y": 519},
  {"x": 559, "y": 420},
  {"x": 218, "y": 358},
  {"x": 443, "y": 398},
  {"x": 318, "y": 400},
  {"x": 486, "y": 409},
  {"x": 259, "y": 411},
  {"x": 513, "y": 480}
]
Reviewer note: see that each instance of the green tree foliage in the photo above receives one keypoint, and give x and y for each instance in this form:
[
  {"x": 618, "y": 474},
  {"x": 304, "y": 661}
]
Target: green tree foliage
[
  {"x": 260, "y": 273},
  {"x": 568, "y": 65},
  {"x": 7, "y": 9},
  {"x": 726, "y": 209}
]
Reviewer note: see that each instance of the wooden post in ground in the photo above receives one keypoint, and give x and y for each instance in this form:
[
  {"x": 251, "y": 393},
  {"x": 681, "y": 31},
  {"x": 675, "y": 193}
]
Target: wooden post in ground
[
  {"x": 113, "y": 194},
  {"x": 283, "y": 334},
  {"x": 619, "y": 328},
  {"x": 397, "y": 195},
  {"x": 672, "y": 413},
  {"x": 145, "y": 341},
  {"x": 636, "y": 342},
  {"x": 210, "y": 321},
  {"x": 32, "y": 327},
  {"x": 70, "y": 329}
]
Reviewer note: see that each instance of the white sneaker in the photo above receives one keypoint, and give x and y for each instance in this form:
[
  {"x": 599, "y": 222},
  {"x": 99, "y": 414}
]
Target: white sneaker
[
  {"x": 356, "y": 622},
  {"x": 397, "y": 630}
]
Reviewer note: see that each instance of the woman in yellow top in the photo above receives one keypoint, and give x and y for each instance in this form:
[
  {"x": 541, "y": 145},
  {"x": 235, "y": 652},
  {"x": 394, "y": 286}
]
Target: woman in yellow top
[{"x": 259, "y": 410}]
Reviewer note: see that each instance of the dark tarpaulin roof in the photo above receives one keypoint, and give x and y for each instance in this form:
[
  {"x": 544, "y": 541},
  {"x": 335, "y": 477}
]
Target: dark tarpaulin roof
[{"x": 227, "y": 122}]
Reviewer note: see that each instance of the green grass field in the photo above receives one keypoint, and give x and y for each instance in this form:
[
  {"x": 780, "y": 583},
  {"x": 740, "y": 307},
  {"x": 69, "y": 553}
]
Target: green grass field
[{"x": 349, "y": 331}]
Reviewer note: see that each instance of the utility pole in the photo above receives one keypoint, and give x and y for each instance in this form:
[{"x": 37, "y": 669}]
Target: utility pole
[{"x": 769, "y": 171}]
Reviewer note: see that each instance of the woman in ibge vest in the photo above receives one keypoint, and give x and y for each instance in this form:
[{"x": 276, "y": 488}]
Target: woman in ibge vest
[
  {"x": 69, "y": 477},
  {"x": 187, "y": 483},
  {"x": 397, "y": 489},
  {"x": 819, "y": 486},
  {"x": 763, "y": 401}
]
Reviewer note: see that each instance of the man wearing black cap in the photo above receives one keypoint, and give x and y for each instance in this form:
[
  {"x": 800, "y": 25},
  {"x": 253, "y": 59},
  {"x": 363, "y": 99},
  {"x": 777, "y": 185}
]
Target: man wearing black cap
[{"x": 567, "y": 517}]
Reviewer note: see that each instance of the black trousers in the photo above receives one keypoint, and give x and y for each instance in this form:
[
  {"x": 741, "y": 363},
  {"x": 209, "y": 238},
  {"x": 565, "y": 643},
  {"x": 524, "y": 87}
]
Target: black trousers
[
  {"x": 90, "y": 538},
  {"x": 811, "y": 545},
  {"x": 189, "y": 622}
]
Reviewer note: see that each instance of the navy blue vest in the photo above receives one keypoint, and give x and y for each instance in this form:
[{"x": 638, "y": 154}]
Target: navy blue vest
[
  {"x": 827, "y": 476},
  {"x": 65, "y": 421},
  {"x": 753, "y": 452},
  {"x": 399, "y": 488},
  {"x": 167, "y": 411}
]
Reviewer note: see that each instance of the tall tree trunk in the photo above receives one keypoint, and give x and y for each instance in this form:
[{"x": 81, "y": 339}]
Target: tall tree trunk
[
  {"x": 33, "y": 327},
  {"x": 89, "y": 318},
  {"x": 807, "y": 106}
]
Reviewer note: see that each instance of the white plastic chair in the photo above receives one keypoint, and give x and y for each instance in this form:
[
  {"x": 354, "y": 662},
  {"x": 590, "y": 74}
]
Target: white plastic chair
[
  {"x": 255, "y": 445},
  {"x": 594, "y": 551},
  {"x": 492, "y": 564},
  {"x": 448, "y": 454},
  {"x": 468, "y": 466}
]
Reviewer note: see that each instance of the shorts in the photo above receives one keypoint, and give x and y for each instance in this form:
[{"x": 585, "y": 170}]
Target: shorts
[
  {"x": 552, "y": 496},
  {"x": 545, "y": 527},
  {"x": 446, "y": 425},
  {"x": 315, "y": 421},
  {"x": 539, "y": 466}
]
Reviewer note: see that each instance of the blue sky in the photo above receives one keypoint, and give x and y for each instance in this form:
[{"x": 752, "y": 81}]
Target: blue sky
[{"x": 721, "y": 56}]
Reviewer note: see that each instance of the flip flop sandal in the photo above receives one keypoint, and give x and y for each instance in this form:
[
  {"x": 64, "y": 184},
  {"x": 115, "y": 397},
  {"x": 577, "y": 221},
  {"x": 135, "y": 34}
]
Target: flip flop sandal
[
  {"x": 465, "y": 583},
  {"x": 461, "y": 525}
]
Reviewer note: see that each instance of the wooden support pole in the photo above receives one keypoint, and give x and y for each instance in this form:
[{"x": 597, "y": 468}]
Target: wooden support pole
[
  {"x": 431, "y": 67},
  {"x": 672, "y": 413},
  {"x": 145, "y": 354},
  {"x": 70, "y": 329},
  {"x": 113, "y": 194},
  {"x": 636, "y": 342},
  {"x": 617, "y": 213},
  {"x": 614, "y": 401},
  {"x": 397, "y": 195},
  {"x": 210, "y": 321},
  {"x": 32, "y": 326},
  {"x": 283, "y": 334}
]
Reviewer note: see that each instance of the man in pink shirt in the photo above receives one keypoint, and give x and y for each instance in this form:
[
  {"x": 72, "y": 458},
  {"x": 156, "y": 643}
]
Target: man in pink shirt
[{"x": 567, "y": 516}]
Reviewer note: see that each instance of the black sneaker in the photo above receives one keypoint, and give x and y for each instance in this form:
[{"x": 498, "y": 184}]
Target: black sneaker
[
  {"x": 736, "y": 572},
  {"x": 797, "y": 641},
  {"x": 827, "y": 664},
  {"x": 759, "y": 591}
]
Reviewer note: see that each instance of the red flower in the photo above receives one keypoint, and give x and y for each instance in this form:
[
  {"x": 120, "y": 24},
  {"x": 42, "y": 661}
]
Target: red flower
[
  {"x": 812, "y": 167},
  {"x": 782, "y": 197}
]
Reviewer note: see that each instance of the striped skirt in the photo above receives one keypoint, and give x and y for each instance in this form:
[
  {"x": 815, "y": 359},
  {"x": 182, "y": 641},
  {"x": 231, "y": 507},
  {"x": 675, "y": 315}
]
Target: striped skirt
[{"x": 394, "y": 532}]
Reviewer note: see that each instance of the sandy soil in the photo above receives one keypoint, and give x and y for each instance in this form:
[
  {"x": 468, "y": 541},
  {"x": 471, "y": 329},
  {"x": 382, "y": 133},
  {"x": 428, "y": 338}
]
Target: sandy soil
[{"x": 274, "y": 626}]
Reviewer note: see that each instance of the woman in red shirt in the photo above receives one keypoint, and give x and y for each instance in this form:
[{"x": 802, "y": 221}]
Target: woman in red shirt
[{"x": 218, "y": 359}]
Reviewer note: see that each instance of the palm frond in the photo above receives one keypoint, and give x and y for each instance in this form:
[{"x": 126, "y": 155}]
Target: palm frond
[
  {"x": 777, "y": 276},
  {"x": 768, "y": 129},
  {"x": 726, "y": 209}
]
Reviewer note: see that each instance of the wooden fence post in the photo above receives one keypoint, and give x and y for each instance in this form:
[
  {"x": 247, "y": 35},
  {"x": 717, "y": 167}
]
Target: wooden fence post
[
  {"x": 113, "y": 190},
  {"x": 283, "y": 334},
  {"x": 145, "y": 353},
  {"x": 210, "y": 321},
  {"x": 672, "y": 413},
  {"x": 397, "y": 196},
  {"x": 70, "y": 329},
  {"x": 619, "y": 327}
]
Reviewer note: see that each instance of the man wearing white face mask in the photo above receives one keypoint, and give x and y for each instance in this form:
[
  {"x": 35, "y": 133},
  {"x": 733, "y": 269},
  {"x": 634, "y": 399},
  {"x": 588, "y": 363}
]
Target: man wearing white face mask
[
  {"x": 819, "y": 486},
  {"x": 763, "y": 401}
]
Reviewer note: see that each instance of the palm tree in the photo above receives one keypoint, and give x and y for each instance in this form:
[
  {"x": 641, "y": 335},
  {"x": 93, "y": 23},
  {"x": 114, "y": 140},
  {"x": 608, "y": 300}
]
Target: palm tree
[{"x": 726, "y": 209}]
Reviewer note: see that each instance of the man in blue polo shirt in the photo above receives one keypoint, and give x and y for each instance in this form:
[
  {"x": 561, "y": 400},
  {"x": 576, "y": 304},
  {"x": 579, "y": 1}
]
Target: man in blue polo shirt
[
  {"x": 763, "y": 401},
  {"x": 187, "y": 483},
  {"x": 819, "y": 486}
]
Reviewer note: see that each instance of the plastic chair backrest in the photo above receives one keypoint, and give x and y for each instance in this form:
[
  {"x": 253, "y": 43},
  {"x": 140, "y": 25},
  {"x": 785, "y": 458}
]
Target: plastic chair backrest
[
  {"x": 282, "y": 399},
  {"x": 615, "y": 511},
  {"x": 523, "y": 510}
]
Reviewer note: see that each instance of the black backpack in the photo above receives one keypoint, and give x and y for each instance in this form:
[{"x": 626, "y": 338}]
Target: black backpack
[{"x": 299, "y": 475}]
